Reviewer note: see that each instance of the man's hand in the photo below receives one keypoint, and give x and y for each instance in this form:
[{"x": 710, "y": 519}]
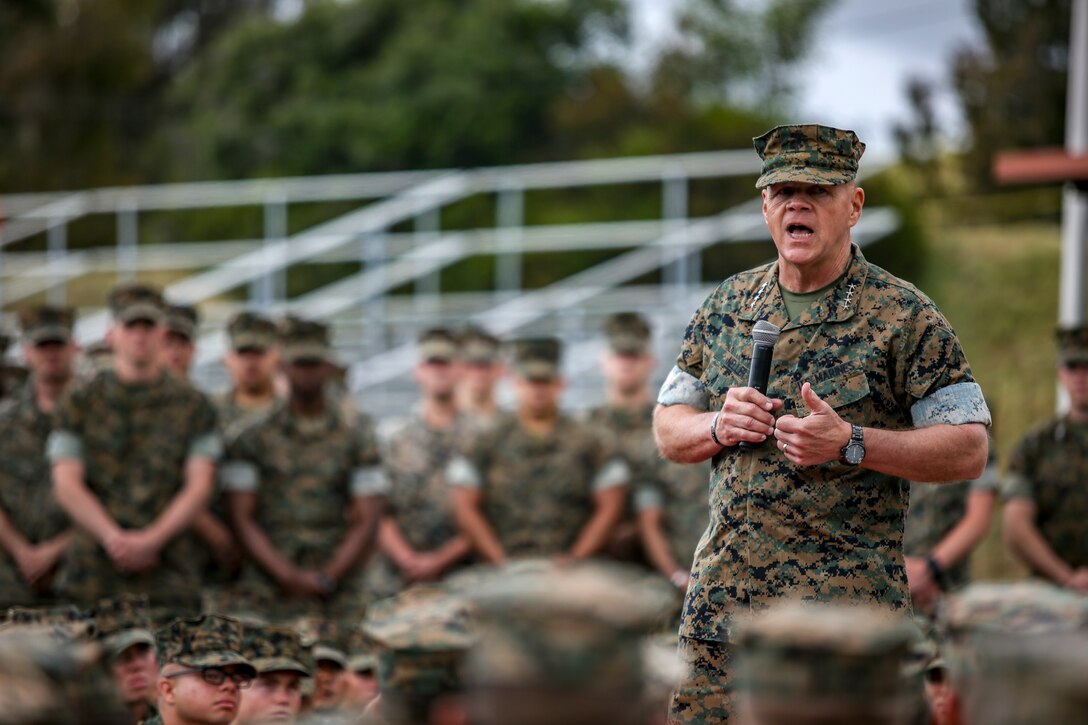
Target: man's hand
[
  {"x": 133, "y": 552},
  {"x": 36, "y": 563},
  {"x": 423, "y": 567},
  {"x": 924, "y": 592},
  {"x": 817, "y": 438},
  {"x": 1078, "y": 582},
  {"x": 305, "y": 584},
  {"x": 746, "y": 415}
]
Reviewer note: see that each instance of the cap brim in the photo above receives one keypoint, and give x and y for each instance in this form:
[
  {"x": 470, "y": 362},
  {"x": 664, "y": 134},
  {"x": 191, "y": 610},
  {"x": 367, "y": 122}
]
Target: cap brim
[
  {"x": 329, "y": 654},
  {"x": 805, "y": 175},
  {"x": 49, "y": 334},
  {"x": 1073, "y": 356},
  {"x": 151, "y": 313},
  {"x": 307, "y": 353},
  {"x": 280, "y": 664},
  {"x": 357, "y": 663},
  {"x": 186, "y": 330},
  {"x": 219, "y": 659},
  {"x": 119, "y": 642},
  {"x": 628, "y": 345},
  {"x": 538, "y": 371}
]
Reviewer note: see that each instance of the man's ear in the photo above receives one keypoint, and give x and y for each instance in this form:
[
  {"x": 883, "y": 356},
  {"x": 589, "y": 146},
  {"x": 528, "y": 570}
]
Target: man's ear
[{"x": 166, "y": 690}]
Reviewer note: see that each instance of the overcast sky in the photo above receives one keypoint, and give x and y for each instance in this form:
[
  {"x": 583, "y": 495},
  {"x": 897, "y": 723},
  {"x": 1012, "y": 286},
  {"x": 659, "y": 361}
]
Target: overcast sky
[{"x": 863, "y": 55}]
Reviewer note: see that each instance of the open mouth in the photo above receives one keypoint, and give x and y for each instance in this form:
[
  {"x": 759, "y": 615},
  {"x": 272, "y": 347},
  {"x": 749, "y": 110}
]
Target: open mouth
[{"x": 799, "y": 231}]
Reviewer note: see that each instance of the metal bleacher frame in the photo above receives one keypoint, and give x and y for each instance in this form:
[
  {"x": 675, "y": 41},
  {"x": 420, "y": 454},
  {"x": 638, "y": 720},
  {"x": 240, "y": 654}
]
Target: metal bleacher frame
[{"x": 375, "y": 329}]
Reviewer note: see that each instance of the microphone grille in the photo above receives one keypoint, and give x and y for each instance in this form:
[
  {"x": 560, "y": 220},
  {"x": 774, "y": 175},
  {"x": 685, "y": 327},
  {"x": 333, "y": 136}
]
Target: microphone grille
[{"x": 765, "y": 333}]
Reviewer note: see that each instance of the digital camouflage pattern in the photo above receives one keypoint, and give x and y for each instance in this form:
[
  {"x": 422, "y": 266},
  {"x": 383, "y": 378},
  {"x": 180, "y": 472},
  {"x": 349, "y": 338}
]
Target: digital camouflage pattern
[
  {"x": 210, "y": 640},
  {"x": 808, "y": 153},
  {"x": 182, "y": 319},
  {"x": 128, "y": 302},
  {"x": 134, "y": 442},
  {"x": 1049, "y": 467},
  {"x": 807, "y": 662},
  {"x": 26, "y": 489},
  {"x": 250, "y": 331},
  {"x": 416, "y": 457},
  {"x": 538, "y": 490},
  {"x": 12, "y": 378},
  {"x": 936, "y": 509},
  {"x": 680, "y": 491},
  {"x": 305, "y": 473},
  {"x": 304, "y": 340},
  {"x": 479, "y": 347},
  {"x": 438, "y": 344},
  {"x": 538, "y": 358},
  {"x": 323, "y": 638},
  {"x": 276, "y": 649},
  {"x": 1072, "y": 344},
  {"x": 1025, "y": 607},
  {"x": 422, "y": 636},
  {"x": 877, "y": 351},
  {"x": 628, "y": 333},
  {"x": 362, "y": 650},
  {"x": 123, "y": 621}
]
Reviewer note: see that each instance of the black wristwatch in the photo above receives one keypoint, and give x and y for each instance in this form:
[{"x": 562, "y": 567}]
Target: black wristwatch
[{"x": 853, "y": 453}]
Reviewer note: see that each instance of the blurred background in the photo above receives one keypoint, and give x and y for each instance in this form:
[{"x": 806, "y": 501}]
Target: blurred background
[{"x": 528, "y": 165}]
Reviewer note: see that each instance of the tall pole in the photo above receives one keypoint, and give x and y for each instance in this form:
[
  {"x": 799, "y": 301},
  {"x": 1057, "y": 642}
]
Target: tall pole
[{"x": 1074, "y": 295}]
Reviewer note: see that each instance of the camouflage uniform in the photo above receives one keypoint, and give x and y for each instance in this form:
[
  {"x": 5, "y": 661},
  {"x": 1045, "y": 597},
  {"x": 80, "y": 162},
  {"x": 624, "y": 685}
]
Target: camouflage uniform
[
  {"x": 936, "y": 509},
  {"x": 876, "y": 350},
  {"x": 122, "y": 622},
  {"x": 305, "y": 472},
  {"x": 210, "y": 640},
  {"x": 247, "y": 331},
  {"x": 26, "y": 490},
  {"x": 277, "y": 649},
  {"x": 818, "y": 663},
  {"x": 1049, "y": 467},
  {"x": 182, "y": 320},
  {"x": 12, "y": 376},
  {"x": 478, "y": 347},
  {"x": 134, "y": 441}
]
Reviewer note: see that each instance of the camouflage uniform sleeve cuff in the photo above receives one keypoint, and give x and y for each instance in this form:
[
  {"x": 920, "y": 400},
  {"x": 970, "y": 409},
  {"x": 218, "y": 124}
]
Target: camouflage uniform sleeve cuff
[
  {"x": 238, "y": 476},
  {"x": 614, "y": 473},
  {"x": 209, "y": 445},
  {"x": 64, "y": 445},
  {"x": 459, "y": 472},
  {"x": 990, "y": 480},
  {"x": 1017, "y": 485},
  {"x": 369, "y": 481},
  {"x": 647, "y": 499},
  {"x": 681, "y": 388},
  {"x": 957, "y": 404}
]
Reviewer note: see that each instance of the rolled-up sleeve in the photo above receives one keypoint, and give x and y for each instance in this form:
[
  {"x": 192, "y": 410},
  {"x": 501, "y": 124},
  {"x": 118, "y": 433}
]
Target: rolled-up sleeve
[
  {"x": 956, "y": 404},
  {"x": 681, "y": 388},
  {"x": 615, "y": 472},
  {"x": 369, "y": 481},
  {"x": 460, "y": 472},
  {"x": 208, "y": 445},
  {"x": 64, "y": 445},
  {"x": 238, "y": 476}
]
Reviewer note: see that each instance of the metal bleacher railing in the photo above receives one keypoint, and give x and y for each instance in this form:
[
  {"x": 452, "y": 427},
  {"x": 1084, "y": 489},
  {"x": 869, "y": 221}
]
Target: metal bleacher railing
[{"x": 375, "y": 328}]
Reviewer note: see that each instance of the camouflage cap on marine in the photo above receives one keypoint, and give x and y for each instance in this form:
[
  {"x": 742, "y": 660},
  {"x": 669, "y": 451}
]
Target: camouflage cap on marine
[
  {"x": 538, "y": 358},
  {"x": 132, "y": 302},
  {"x": 438, "y": 345},
  {"x": 210, "y": 640},
  {"x": 46, "y": 323},
  {"x": 304, "y": 340},
  {"x": 1019, "y": 679},
  {"x": 1073, "y": 345},
  {"x": 628, "y": 333},
  {"x": 802, "y": 661},
  {"x": 250, "y": 331},
  {"x": 422, "y": 635},
  {"x": 362, "y": 651},
  {"x": 182, "y": 320},
  {"x": 1026, "y": 607},
  {"x": 479, "y": 346},
  {"x": 324, "y": 639},
  {"x": 276, "y": 649},
  {"x": 575, "y": 628},
  {"x": 808, "y": 153},
  {"x": 122, "y": 622},
  {"x": 64, "y": 622}
]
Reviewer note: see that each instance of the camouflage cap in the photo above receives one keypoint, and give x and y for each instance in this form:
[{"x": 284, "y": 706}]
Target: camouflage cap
[
  {"x": 210, "y": 640},
  {"x": 1027, "y": 607},
  {"x": 538, "y": 358},
  {"x": 422, "y": 636},
  {"x": 1073, "y": 344},
  {"x": 276, "y": 649},
  {"x": 66, "y": 622},
  {"x": 823, "y": 659},
  {"x": 302, "y": 340},
  {"x": 130, "y": 302},
  {"x": 324, "y": 639},
  {"x": 573, "y": 628},
  {"x": 46, "y": 323},
  {"x": 438, "y": 345},
  {"x": 480, "y": 347},
  {"x": 250, "y": 331},
  {"x": 628, "y": 333},
  {"x": 808, "y": 153},
  {"x": 1019, "y": 679},
  {"x": 183, "y": 320},
  {"x": 362, "y": 651},
  {"x": 122, "y": 622}
]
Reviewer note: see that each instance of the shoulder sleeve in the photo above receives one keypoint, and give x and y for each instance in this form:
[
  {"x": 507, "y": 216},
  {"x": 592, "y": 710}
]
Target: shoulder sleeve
[
  {"x": 1018, "y": 481},
  {"x": 369, "y": 477},
  {"x": 684, "y": 384},
  {"x": 206, "y": 441},
  {"x": 239, "y": 470},
  {"x": 937, "y": 382},
  {"x": 66, "y": 439}
]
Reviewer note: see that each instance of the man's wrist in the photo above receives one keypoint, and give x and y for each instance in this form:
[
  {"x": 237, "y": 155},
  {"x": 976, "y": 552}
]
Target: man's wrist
[
  {"x": 679, "y": 578},
  {"x": 936, "y": 573},
  {"x": 714, "y": 430}
]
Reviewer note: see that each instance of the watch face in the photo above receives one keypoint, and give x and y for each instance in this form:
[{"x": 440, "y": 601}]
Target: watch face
[{"x": 854, "y": 453}]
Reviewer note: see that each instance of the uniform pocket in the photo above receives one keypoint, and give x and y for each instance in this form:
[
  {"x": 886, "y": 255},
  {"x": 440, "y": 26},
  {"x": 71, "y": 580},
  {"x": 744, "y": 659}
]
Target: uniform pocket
[{"x": 841, "y": 386}]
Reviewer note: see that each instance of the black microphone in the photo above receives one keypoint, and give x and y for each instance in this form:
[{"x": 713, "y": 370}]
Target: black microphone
[{"x": 764, "y": 336}]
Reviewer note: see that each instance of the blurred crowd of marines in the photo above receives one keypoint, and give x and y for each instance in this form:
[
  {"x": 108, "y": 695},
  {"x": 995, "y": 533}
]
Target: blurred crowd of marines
[{"x": 272, "y": 554}]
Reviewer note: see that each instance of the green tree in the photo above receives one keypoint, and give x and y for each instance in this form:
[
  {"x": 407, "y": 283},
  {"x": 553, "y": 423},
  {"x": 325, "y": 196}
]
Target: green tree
[{"x": 1012, "y": 90}]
